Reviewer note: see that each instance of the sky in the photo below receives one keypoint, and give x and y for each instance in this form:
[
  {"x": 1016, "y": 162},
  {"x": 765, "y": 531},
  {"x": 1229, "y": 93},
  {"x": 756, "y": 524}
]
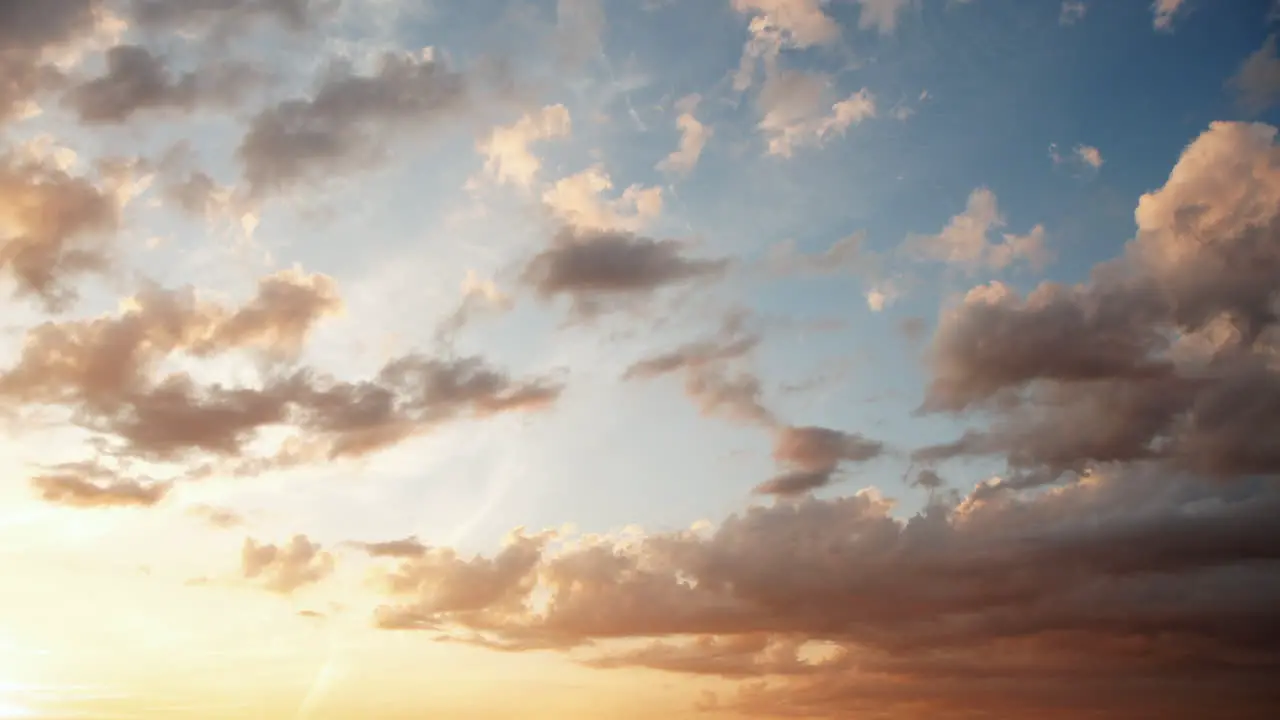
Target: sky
[{"x": 561, "y": 359}]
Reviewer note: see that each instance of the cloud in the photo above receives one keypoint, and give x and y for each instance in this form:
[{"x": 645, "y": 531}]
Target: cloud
[
  {"x": 842, "y": 256},
  {"x": 576, "y": 200},
  {"x": 74, "y": 490},
  {"x": 1164, "y": 12},
  {"x": 693, "y": 138},
  {"x": 287, "y": 567},
  {"x": 776, "y": 25},
  {"x": 834, "y": 607},
  {"x": 1164, "y": 355},
  {"x": 409, "y": 547},
  {"x": 596, "y": 267},
  {"x": 218, "y": 517},
  {"x": 882, "y": 15},
  {"x": 105, "y": 370},
  {"x": 136, "y": 81},
  {"x": 1257, "y": 82},
  {"x": 30, "y": 34},
  {"x": 440, "y": 584},
  {"x": 1081, "y": 155},
  {"x": 506, "y": 151},
  {"x": 714, "y": 379},
  {"x": 811, "y": 456},
  {"x": 965, "y": 241},
  {"x": 1072, "y": 12},
  {"x": 226, "y": 16},
  {"x": 349, "y": 119},
  {"x": 796, "y": 111},
  {"x": 54, "y": 226}
]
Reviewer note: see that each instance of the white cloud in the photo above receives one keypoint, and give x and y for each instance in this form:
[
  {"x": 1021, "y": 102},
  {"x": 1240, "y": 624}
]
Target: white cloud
[
  {"x": 577, "y": 199},
  {"x": 965, "y": 241},
  {"x": 1072, "y": 12},
  {"x": 1164, "y": 10},
  {"x": 507, "y": 156},
  {"x": 796, "y": 111},
  {"x": 778, "y": 24},
  {"x": 693, "y": 138}
]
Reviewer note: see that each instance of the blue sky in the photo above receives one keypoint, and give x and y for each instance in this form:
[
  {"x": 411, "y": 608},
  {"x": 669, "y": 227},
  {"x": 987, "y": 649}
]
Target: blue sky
[{"x": 812, "y": 202}]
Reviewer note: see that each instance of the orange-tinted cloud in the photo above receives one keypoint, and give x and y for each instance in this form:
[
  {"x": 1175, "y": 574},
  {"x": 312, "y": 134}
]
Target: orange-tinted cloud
[
  {"x": 287, "y": 567},
  {"x": 54, "y": 227}
]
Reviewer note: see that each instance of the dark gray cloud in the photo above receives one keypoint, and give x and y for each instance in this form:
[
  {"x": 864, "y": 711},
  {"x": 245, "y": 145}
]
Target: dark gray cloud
[
  {"x": 137, "y": 81},
  {"x": 348, "y": 120},
  {"x": 595, "y": 267}
]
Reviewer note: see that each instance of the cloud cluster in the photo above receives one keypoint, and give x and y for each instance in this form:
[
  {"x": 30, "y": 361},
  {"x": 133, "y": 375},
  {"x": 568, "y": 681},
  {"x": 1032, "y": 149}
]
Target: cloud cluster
[
  {"x": 1155, "y": 591},
  {"x": 286, "y": 567},
  {"x": 1167, "y": 353},
  {"x": 107, "y": 374}
]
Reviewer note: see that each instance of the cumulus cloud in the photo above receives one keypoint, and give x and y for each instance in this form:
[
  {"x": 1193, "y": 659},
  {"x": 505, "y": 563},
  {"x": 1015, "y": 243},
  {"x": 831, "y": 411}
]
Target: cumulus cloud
[
  {"x": 990, "y": 607},
  {"x": 578, "y": 200},
  {"x": 286, "y": 567},
  {"x": 1165, "y": 354},
  {"x": 966, "y": 240},
  {"x": 137, "y": 81},
  {"x": 596, "y": 267},
  {"x": 797, "y": 111},
  {"x": 1257, "y": 82},
  {"x": 349, "y": 119},
  {"x": 693, "y": 138},
  {"x": 106, "y": 371},
  {"x": 508, "y": 158},
  {"x": 54, "y": 226}
]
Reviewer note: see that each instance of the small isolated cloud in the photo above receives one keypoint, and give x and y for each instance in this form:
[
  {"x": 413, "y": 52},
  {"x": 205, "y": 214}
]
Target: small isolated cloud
[
  {"x": 1072, "y": 12},
  {"x": 577, "y": 200},
  {"x": 508, "y": 158},
  {"x": 811, "y": 456},
  {"x": 796, "y": 111},
  {"x": 881, "y": 15},
  {"x": 1164, "y": 12},
  {"x": 1086, "y": 156},
  {"x": 1257, "y": 82},
  {"x": 287, "y": 567},
  {"x": 80, "y": 491},
  {"x": 218, "y": 517},
  {"x": 596, "y": 267},
  {"x": 966, "y": 240},
  {"x": 693, "y": 138}
]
